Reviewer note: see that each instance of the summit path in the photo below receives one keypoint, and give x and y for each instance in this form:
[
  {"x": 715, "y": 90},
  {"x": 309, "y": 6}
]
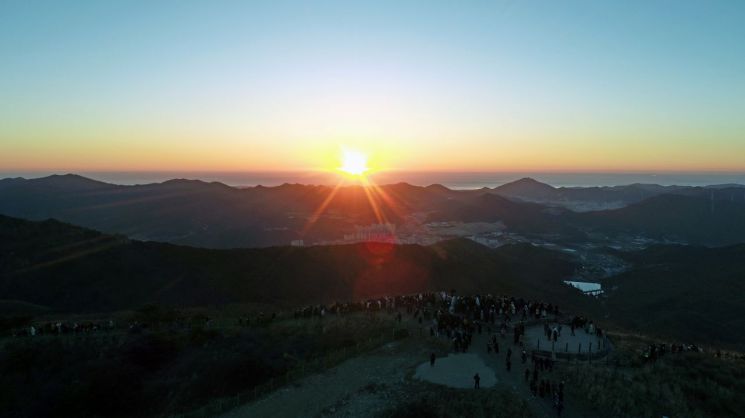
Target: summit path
[{"x": 373, "y": 382}]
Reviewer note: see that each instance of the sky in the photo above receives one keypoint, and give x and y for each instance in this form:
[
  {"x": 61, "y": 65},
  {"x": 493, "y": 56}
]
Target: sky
[{"x": 565, "y": 86}]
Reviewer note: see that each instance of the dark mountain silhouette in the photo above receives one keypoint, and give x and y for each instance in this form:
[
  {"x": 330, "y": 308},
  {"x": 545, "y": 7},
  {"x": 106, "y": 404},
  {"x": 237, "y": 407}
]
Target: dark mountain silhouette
[
  {"x": 689, "y": 219},
  {"x": 695, "y": 215},
  {"x": 685, "y": 292},
  {"x": 689, "y": 292},
  {"x": 519, "y": 217},
  {"x": 529, "y": 189},
  {"x": 214, "y": 215},
  {"x": 606, "y": 197},
  {"x": 66, "y": 268},
  {"x": 205, "y": 214},
  {"x": 578, "y": 198},
  {"x": 725, "y": 186}
]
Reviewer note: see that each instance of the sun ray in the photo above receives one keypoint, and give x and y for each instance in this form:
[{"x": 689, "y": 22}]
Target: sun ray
[
  {"x": 354, "y": 169},
  {"x": 379, "y": 215},
  {"x": 387, "y": 199},
  {"x": 321, "y": 208}
]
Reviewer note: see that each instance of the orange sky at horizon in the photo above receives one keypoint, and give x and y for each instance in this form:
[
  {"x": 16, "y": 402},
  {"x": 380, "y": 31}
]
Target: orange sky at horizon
[{"x": 535, "y": 156}]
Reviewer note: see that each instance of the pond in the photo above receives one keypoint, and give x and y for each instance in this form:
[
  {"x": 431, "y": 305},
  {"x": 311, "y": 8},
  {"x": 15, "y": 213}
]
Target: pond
[{"x": 589, "y": 288}]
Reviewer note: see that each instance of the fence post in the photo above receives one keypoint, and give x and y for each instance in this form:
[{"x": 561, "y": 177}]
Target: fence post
[
  {"x": 579, "y": 348},
  {"x": 566, "y": 350}
]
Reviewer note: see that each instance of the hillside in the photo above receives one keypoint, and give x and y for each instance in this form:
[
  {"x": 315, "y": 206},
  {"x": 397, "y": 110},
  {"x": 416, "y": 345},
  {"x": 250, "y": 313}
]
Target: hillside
[
  {"x": 88, "y": 271},
  {"x": 689, "y": 219},
  {"x": 520, "y": 217},
  {"x": 693, "y": 293},
  {"x": 689, "y": 293}
]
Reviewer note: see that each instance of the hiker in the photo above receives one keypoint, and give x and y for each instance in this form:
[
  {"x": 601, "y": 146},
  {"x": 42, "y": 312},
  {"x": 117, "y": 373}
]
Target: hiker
[
  {"x": 432, "y": 358},
  {"x": 509, "y": 365},
  {"x": 527, "y": 375},
  {"x": 476, "y": 380},
  {"x": 559, "y": 405}
]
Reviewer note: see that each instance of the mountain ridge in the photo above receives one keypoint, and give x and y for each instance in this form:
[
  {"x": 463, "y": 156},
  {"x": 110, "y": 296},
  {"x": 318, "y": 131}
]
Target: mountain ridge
[{"x": 215, "y": 215}]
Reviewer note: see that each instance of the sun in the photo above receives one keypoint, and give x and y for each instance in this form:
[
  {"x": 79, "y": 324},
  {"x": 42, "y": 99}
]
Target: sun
[{"x": 353, "y": 162}]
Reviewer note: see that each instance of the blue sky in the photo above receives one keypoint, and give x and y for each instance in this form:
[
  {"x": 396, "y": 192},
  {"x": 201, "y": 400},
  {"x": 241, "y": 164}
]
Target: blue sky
[{"x": 544, "y": 85}]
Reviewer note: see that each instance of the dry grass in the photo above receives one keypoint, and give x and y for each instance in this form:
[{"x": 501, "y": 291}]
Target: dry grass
[{"x": 681, "y": 384}]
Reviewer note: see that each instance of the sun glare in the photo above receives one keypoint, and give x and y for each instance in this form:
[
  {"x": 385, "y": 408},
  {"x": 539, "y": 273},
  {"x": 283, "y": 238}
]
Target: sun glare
[{"x": 353, "y": 162}]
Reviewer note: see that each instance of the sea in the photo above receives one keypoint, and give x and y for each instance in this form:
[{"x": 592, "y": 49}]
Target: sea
[{"x": 450, "y": 179}]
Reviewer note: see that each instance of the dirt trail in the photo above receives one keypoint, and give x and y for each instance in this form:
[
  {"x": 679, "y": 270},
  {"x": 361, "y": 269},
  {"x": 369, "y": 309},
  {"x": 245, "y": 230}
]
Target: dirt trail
[
  {"x": 351, "y": 389},
  {"x": 457, "y": 371},
  {"x": 373, "y": 382}
]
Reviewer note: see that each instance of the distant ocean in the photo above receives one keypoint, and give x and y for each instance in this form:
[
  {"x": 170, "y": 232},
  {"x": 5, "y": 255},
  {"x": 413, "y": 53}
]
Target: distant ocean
[{"x": 455, "y": 180}]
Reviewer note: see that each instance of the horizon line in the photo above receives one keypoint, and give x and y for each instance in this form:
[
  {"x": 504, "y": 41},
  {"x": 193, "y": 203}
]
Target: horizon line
[
  {"x": 350, "y": 183},
  {"x": 63, "y": 171}
]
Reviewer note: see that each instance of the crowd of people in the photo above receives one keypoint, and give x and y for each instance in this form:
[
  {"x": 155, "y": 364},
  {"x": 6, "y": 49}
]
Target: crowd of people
[
  {"x": 459, "y": 318},
  {"x": 540, "y": 382},
  {"x": 538, "y": 372},
  {"x": 654, "y": 352},
  {"x": 87, "y": 327},
  {"x": 64, "y": 328},
  {"x": 487, "y": 308},
  {"x": 580, "y": 322}
]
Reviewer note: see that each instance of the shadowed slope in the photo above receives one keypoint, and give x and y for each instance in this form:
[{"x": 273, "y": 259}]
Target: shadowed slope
[{"x": 95, "y": 272}]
